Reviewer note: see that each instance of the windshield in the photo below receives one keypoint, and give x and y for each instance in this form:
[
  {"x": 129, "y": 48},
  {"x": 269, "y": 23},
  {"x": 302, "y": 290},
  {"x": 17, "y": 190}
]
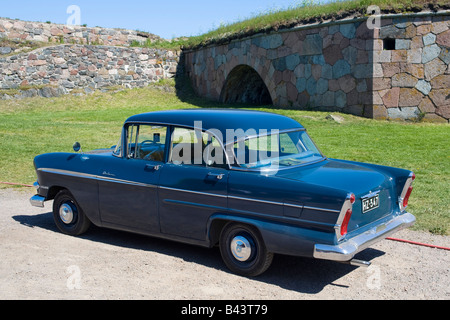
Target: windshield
[{"x": 276, "y": 150}]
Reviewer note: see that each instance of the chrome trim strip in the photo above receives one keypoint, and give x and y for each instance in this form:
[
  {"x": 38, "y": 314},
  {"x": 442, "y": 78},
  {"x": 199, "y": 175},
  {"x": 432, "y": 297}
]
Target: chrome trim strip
[
  {"x": 285, "y": 204},
  {"x": 293, "y": 205},
  {"x": 67, "y": 173},
  {"x": 193, "y": 204},
  {"x": 95, "y": 177},
  {"x": 247, "y": 199},
  {"x": 370, "y": 195},
  {"x": 107, "y": 179},
  {"x": 321, "y": 209},
  {"x": 250, "y": 199},
  {"x": 271, "y": 171},
  {"x": 194, "y": 192},
  {"x": 255, "y": 200},
  {"x": 347, "y": 249},
  {"x": 133, "y": 183}
]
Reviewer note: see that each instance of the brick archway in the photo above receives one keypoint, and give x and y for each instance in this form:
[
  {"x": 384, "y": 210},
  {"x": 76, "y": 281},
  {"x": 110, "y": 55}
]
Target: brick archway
[
  {"x": 342, "y": 66},
  {"x": 245, "y": 85}
]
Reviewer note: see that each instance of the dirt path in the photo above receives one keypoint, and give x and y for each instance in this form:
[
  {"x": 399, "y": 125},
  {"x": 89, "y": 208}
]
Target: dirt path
[{"x": 38, "y": 262}]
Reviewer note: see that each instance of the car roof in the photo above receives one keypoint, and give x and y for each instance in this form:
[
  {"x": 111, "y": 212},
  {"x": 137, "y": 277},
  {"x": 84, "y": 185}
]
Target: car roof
[{"x": 219, "y": 119}]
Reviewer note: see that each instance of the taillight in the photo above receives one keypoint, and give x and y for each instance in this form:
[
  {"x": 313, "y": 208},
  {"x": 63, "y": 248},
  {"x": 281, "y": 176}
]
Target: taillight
[
  {"x": 345, "y": 222},
  {"x": 352, "y": 198},
  {"x": 406, "y": 198},
  {"x": 407, "y": 189},
  {"x": 347, "y": 208}
]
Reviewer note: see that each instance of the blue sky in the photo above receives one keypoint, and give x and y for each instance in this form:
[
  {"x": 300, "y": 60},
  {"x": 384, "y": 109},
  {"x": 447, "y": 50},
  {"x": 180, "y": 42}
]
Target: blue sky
[{"x": 167, "y": 19}]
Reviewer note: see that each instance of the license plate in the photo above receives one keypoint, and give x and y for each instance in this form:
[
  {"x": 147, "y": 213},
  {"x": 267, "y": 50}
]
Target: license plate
[{"x": 371, "y": 203}]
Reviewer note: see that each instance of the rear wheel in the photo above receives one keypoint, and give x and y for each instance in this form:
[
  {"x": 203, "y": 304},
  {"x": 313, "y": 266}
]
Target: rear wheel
[
  {"x": 243, "y": 250},
  {"x": 68, "y": 216}
]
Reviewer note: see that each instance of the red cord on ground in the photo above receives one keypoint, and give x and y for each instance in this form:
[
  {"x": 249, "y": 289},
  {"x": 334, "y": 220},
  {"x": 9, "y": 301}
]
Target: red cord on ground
[
  {"x": 16, "y": 184},
  {"x": 419, "y": 244}
]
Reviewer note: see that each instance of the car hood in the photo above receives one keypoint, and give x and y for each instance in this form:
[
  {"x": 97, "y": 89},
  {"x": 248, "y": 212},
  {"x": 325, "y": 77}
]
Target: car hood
[{"x": 339, "y": 174}]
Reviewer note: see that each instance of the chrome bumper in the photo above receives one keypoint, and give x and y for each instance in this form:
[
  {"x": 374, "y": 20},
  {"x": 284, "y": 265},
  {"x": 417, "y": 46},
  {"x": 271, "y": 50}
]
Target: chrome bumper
[
  {"x": 37, "y": 201},
  {"x": 346, "y": 250}
]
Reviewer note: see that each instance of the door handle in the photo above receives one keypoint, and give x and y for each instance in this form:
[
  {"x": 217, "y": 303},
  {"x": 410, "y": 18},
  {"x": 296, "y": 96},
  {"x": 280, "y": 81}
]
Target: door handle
[
  {"x": 151, "y": 167},
  {"x": 216, "y": 176}
]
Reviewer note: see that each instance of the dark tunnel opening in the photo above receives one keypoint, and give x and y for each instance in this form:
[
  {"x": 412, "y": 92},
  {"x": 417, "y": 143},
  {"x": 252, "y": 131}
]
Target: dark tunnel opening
[{"x": 245, "y": 85}]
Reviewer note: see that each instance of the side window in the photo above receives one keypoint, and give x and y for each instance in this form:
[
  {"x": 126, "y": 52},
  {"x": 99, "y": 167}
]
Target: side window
[
  {"x": 195, "y": 147},
  {"x": 118, "y": 148},
  {"x": 147, "y": 142},
  {"x": 287, "y": 146},
  {"x": 131, "y": 140},
  {"x": 213, "y": 153}
]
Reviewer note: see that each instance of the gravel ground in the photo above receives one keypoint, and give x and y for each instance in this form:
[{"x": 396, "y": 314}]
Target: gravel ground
[{"x": 37, "y": 262}]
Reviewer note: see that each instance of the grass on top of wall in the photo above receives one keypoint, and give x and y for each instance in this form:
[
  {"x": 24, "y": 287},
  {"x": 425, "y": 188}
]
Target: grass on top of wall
[{"x": 301, "y": 12}]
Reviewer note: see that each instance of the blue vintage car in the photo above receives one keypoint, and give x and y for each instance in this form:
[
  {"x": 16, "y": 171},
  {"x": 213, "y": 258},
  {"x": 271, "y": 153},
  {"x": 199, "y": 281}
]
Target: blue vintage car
[{"x": 253, "y": 183}]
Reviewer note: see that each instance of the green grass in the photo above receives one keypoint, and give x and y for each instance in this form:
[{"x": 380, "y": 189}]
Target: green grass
[{"x": 37, "y": 125}]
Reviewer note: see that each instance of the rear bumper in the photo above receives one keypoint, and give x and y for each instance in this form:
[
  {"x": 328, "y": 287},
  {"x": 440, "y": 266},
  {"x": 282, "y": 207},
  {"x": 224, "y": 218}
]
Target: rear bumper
[
  {"x": 37, "y": 201},
  {"x": 346, "y": 250}
]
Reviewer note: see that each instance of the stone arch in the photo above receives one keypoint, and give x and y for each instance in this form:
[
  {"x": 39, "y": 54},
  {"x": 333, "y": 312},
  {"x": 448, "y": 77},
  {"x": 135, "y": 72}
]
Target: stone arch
[{"x": 245, "y": 85}]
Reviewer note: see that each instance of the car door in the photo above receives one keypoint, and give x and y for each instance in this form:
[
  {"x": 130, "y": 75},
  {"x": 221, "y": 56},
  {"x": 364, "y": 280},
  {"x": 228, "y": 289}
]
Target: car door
[
  {"x": 193, "y": 185},
  {"x": 128, "y": 188}
]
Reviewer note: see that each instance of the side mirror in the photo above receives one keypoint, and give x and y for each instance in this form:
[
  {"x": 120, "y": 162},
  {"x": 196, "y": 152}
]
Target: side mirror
[{"x": 76, "y": 146}]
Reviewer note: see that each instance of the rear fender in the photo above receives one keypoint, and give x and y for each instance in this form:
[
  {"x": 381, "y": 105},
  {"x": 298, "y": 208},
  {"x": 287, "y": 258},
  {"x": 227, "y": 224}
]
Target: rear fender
[{"x": 278, "y": 238}]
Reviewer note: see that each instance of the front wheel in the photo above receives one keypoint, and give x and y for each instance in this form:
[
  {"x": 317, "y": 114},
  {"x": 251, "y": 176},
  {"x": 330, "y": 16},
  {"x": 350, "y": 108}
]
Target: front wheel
[
  {"x": 68, "y": 216},
  {"x": 243, "y": 250}
]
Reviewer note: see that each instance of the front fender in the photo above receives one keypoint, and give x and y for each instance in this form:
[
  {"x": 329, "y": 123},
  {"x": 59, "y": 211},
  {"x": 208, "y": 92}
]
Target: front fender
[{"x": 58, "y": 171}]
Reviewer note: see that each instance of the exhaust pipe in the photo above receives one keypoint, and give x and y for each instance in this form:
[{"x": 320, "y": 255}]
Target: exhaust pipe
[{"x": 359, "y": 263}]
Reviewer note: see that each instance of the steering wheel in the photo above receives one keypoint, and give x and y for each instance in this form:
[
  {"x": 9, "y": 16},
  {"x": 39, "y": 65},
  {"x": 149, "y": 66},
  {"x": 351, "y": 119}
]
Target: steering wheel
[
  {"x": 147, "y": 157},
  {"x": 146, "y": 141}
]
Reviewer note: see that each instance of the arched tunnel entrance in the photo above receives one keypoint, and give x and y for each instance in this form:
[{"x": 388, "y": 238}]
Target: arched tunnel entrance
[{"x": 245, "y": 85}]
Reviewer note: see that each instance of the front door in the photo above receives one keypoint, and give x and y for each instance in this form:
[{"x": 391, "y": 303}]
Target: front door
[
  {"x": 128, "y": 192},
  {"x": 193, "y": 184}
]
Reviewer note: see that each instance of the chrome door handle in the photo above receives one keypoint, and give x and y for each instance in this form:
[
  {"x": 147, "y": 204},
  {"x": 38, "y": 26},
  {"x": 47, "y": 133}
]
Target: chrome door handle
[
  {"x": 216, "y": 176},
  {"x": 153, "y": 167}
]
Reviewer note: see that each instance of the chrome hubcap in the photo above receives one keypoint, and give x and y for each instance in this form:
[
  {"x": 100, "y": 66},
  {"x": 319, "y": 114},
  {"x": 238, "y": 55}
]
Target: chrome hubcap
[
  {"x": 66, "y": 213},
  {"x": 241, "y": 248}
]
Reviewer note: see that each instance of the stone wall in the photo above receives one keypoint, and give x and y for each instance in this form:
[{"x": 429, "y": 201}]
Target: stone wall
[
  {"x": 398, "y": 71},
  {"x": 412, "y": 79},
  {"x": 59, "y": 33},
  {"x": 87, "y": 67}
]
